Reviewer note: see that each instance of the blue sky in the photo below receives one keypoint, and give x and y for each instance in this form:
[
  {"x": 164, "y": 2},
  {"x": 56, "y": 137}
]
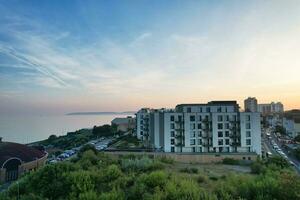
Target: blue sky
[{"x": 64, "y": 56}]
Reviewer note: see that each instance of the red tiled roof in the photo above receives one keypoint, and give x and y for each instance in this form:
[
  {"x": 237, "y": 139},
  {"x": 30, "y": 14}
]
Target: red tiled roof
[{"x": 23, "y": 152}]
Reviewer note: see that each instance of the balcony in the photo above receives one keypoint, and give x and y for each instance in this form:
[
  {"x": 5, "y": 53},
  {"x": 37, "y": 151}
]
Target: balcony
[
  {"x": 236, "y": 143},
  {"x": 205, "y": 145},
  {"x": 178, "y": 121},
  {"x": 234, "y": 136},
  {"x": 206, "y": 136},
  {"x": 179, "y": 144},
  {"x": 206, "y": 120},
  {"x": 178, "y": 136}
]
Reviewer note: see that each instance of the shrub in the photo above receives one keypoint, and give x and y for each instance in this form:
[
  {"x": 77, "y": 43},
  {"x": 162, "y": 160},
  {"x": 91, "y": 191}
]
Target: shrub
[
  {"x": 202, "y": 179},
  {"x": 191, "y": 170},
  {"x": 230, "y": 161},
  {"x": 257, "y": 168},
  {"x": 166, "y": 159},
  {"x": 278, "y": 161},
  {"x": 142, "y": 164},
  {"x": 155, "y": 179},
  {"x": 213, "y": 178}
]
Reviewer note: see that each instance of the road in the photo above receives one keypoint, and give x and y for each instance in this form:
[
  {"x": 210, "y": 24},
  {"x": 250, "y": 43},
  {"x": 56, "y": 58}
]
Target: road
[{"x": 269, "y": 148}]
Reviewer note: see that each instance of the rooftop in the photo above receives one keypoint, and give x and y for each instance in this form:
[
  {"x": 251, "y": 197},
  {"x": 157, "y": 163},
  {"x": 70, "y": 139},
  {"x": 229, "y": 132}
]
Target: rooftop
[{"x": 25, "y": 153}]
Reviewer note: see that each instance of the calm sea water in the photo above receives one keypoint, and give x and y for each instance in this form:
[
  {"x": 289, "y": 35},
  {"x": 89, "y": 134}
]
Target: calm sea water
[{"x": 26, "y": 129}]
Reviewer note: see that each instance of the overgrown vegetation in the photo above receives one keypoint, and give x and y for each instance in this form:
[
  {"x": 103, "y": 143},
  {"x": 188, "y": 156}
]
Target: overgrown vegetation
[
  {"x": 79, "y": 137},
  {"x": 95, "y": 175}
]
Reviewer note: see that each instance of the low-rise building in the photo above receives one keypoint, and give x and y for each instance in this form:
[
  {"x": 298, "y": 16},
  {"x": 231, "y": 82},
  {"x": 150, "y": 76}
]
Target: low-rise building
[
  {"x": 291, "y": 122},
  {"x": 217, "y": 126},
  {"x": 124, "y": 124},
  {"x": 17, "y": 159}
]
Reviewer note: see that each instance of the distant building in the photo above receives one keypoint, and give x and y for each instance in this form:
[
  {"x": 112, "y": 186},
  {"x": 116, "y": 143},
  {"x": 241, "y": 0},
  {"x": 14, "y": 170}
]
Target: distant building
[
  {"x": 124, "y": 124},
  {"x": 264, "y": 109},
  {"x": 271, "y": 108},
  {"x": 250, "y": 104},
  {"x": 291, "y": 122},
  {"x": 17, "y": 159},
  {"x": 277, "y": 107},
  {"x": 217, "y": 126}
]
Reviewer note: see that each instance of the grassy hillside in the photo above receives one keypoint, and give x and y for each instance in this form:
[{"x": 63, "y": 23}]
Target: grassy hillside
[{"x": 94, "y": 176}]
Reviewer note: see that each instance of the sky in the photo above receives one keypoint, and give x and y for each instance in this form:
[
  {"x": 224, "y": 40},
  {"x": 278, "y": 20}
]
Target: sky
[{"x": 60, "y": 56}]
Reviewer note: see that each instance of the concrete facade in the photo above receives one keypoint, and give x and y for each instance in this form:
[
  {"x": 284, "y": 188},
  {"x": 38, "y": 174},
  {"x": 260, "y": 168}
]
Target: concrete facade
[{"x": 200, "y": 128}]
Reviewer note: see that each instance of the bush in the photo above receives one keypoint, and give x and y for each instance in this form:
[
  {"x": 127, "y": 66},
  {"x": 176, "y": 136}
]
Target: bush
[
  {"x": 143, "y": 164},
  {"x": 230, "y": 161},
  {"x": 257, "y": 168},
  {"x": 278, "y": 161},
  {"x": 166, "y": 160},
  {"x": 191, "y": 170},
  {"x": 202, "y": 179}
]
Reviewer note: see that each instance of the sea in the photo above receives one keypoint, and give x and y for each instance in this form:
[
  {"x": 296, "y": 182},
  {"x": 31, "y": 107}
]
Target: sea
[{"x": 32, "y": 128}]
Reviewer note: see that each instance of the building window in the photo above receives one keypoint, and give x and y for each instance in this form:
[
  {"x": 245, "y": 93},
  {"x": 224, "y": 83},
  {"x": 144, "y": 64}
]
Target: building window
[
  {"x": 226, "y": 133},
  {"x": 248, "y": 134},
  {"x": 194, "y": 149},
  {"x": 200, "y": 134},
  {"x": 193, "y": 134},
  {"x": 200, "y": 149},
  {"x": 188, "y": 109},
  {"x": 220, "y": 149},
  {"x": 220, "y": 126},
  {"x": 219, "y": 109},
  {"x": 199, "y": 126},
  {"x": 193, "y": 126},
  {"x": 227, "y": 118},
  {"x": 208, "y": 109},
  {"x": 248, "y": 126},
  {"x": 248, "y": 118},
  {"x": 172, "y": 141},
  {"x": 172, "y": 149},
  {"x": 200, "y": 109},
  {"x": 200, "y": 118},
  {"x": 192, "y": 118},
  {"x": 220, "y": 142},
  {"x": 220, "y": 134},
  {"x": 199, "y": 142},
  {"x": 248, "y": 142},
  {"x": 193, "y": 142},
  {"x": 172, "y": 126},
  {"x": 227, "y": 125},
  {"x": 172, "y": 134},
  {"x": 227, "y": 141},
  {"x": 172, "y": 118},
  {"x": 220, "y": 118},
  {"x": 180, "y": 118}
]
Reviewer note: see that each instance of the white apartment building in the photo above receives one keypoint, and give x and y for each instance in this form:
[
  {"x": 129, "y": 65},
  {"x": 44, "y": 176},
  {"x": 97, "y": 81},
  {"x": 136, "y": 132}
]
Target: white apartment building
[
  {"x": 250, "y": 104},
  {"x": 217, "y": 126}
]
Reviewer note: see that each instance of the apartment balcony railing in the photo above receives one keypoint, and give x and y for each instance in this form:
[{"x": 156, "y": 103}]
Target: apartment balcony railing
[
  {"x": 179, "y": 144},
  {"x": 234, "y": 136},
  {"x": 236, "y": 143},
  {"x": 178, "y": 121},
  {"x": 206, "y": 120},
  {"x": 178, "y": 136},
  {"x": 178, "y": 128},
  {"x": 206, "y": 145},
  {"x": 206, "y": 136}
]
